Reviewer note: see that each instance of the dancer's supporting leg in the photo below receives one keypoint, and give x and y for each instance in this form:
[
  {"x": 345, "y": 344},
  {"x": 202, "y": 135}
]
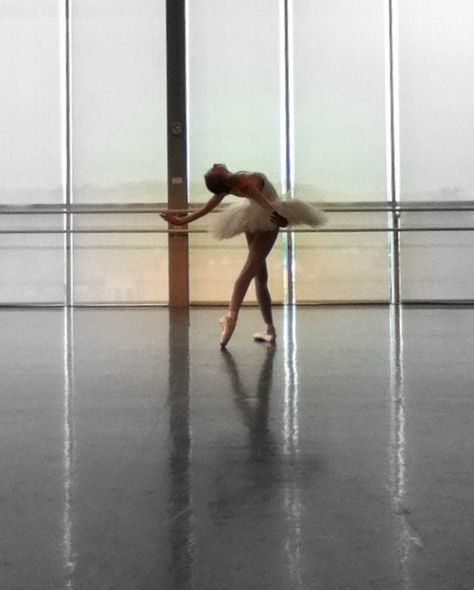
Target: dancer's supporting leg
[{"x": 264, "y": 300}]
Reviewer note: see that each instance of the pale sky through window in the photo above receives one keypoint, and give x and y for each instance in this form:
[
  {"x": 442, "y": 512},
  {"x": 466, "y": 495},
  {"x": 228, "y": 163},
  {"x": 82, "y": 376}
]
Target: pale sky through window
[{"x": 339, "y": 93}]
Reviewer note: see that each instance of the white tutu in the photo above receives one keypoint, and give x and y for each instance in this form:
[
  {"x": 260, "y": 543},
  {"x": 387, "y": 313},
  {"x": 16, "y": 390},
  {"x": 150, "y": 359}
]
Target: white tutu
[{"x": 249, "y": 216}]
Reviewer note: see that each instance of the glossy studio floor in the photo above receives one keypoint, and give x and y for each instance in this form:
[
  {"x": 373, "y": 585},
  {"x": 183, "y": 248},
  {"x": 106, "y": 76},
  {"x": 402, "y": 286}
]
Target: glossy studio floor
[{"x": 137, "y": 455}]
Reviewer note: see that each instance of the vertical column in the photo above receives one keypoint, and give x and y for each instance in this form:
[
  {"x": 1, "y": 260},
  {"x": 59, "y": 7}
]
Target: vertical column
[
  {"x": 67, "y": 153},
  {"x": 178, "y": 256},
  {"x": 393, "y": 150},
  {"x": 287, "y": 142}
]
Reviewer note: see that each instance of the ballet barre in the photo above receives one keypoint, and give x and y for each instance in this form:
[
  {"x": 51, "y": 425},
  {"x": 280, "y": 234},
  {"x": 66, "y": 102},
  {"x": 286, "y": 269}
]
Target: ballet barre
[{"x": 71, "y": 210}]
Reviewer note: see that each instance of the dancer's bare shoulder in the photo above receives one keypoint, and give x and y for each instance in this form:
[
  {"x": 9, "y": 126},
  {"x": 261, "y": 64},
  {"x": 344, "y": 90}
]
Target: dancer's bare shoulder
[{"x": 249, "y": 182}]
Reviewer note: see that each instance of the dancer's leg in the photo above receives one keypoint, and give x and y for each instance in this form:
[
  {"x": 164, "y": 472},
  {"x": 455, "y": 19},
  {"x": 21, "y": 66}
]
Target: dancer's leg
[
  {"x": 260, "y": 245},
  {"x": 265, "y": 303},
  {"x": 264, "y": 298}
]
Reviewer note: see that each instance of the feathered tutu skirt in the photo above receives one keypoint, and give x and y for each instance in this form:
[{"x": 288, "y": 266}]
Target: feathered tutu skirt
[{"x": 249, "y": 216}]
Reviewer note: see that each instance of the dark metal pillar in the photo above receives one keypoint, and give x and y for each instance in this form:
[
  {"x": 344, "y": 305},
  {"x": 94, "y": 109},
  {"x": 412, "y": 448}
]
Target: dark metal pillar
[{"x": 178, "y": 257}]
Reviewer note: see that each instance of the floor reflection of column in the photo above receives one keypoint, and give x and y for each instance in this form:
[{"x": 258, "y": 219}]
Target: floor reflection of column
[
  {"x": 291, "y": 450},
  {"x": 407, "y": 538},
  {"x": 68, "y": 446},
  {"x": 180, "y": 515}
]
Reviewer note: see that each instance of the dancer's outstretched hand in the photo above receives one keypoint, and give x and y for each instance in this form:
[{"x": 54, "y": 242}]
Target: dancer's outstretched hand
[{"x": 170, "y": 218}]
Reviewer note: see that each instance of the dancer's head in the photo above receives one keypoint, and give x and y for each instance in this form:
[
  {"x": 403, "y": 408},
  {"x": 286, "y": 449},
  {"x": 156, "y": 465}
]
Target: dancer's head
[{"x": 218, "y": 179}]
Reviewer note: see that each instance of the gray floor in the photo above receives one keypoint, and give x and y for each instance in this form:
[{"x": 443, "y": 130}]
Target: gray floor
[{"x": 137, "y": 455}]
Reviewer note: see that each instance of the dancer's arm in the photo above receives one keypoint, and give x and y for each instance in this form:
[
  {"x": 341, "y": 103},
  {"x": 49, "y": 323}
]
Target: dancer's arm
[
  {"x": 258, "y": 196},
  {"x": 196, "y": 214}
]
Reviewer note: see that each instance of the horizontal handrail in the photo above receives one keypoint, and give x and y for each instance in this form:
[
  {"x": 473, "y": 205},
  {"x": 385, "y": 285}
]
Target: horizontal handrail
[
  {"x": 341, "y": 230},
  {"x": 147, "y": 208}
]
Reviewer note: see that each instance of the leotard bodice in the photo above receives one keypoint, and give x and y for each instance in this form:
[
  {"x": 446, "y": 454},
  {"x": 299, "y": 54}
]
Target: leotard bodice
[{"x": 268, "y": 190}]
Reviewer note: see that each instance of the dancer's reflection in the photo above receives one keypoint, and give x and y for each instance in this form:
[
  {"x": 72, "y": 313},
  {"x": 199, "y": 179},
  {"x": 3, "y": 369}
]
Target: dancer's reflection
[
  {"x": 270, "y": 476},
  {"x": 408, "y": 538},
  {"x": 253, "y": 405}
]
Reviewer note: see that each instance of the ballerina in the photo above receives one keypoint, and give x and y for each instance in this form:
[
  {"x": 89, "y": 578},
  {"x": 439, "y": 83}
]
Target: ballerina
[{"x": 259, "y": 215}]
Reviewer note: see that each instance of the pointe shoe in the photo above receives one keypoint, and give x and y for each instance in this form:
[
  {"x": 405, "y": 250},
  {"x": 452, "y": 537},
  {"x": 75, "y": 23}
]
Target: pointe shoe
[
  {"x": 227, "y": 322},
  {"x": 269, "y": 336}
]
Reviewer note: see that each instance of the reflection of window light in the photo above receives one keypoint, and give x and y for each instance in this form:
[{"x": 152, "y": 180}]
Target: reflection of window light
[
  {"x": 407, "y": 537},
  {"x": 291, "y": 419},
  {"x": 68, "y": 446},
  {"x": 292, "y": 491}
]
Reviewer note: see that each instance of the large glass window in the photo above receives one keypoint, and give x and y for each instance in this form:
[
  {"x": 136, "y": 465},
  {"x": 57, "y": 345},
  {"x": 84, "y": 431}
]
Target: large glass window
[
  {"x": 339, "y": 100},
  {"x": 31, "y": 117},
  {"x": 436, "y": 61},
  {"x": 119, "y": 101},
  {"x": 343, "y": 266},
  {"x": 436, "y": 56},
  {"x": 437, "y": 265},
  {"x": 340, "y": 145},
  {"x": 31, "y": 155},
  {"x": 234, "y": 117},
  {"x": 300, "y": 95},
  {"x": 115, "y": 267},
  {"x": 119, "y": 147}
]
